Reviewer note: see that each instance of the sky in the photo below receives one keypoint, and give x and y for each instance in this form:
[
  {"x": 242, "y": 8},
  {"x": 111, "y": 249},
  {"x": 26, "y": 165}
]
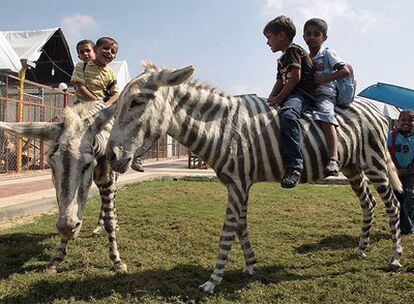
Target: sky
[{"x": 224, "y": 39}]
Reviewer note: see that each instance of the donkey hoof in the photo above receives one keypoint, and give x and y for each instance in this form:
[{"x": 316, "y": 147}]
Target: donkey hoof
[
  {"x": 121, "y": 267},
  {"x": 249, "y": 271},
  {"x": 207, "y": 287},
  {"x": 97, "y": 231},
  {"x": 359, "y": 253},
  {"x": 394, "y": 264}
]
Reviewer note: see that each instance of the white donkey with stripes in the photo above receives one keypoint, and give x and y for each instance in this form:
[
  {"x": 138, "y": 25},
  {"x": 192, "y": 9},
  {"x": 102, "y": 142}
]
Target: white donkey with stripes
[
  {"x": 76, "y": 157},
  {"x": 239, "y": 138}
]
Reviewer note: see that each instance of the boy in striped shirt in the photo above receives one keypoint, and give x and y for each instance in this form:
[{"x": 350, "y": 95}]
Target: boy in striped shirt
[
  {"x": 96, "y": 76},
  {"x": 100, "y": 80}
]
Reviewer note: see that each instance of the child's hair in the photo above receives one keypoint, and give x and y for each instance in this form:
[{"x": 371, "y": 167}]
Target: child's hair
[
  {"x": 319, "y": 23},
  {"x": 281, "y": 24},
  {"x": 102, "y": 40},
  {"x": 82, "y": 42},
  {"x": 409, "y": 112}
]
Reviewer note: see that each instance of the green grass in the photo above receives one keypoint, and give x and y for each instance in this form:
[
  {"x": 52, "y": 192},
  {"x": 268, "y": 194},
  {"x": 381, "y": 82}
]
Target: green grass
[{"x": 169, "y": 231}]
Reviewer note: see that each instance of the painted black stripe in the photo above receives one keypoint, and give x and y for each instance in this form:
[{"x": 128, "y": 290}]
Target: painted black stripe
[
  {"x": 269, "y": 148},
  {"x": 184, "y": 128},
  {"x": 66, "y": 173},
  {"x": 251, "y": 152}
]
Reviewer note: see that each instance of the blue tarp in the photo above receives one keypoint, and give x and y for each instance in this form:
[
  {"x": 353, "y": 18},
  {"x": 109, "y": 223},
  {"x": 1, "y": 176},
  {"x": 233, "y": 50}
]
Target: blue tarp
[{"x": 398, "y": 96}]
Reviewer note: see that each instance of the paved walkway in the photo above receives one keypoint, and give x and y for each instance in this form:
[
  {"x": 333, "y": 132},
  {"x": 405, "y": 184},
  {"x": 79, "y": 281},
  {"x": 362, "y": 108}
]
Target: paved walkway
[{"x": 34, "y": 194}]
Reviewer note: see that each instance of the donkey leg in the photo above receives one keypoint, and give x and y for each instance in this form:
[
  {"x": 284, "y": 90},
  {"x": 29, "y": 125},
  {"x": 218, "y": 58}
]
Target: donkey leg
[
  {"x": 382, "y": 185},
  {"x": 54, "y": 264},
  {"x": 105, "y": 179},
  {"x": 246, "y": 246},
  {"x": 367, "y": 201},
  {"x": 108, "y": 193},
  {"x": 100, "y": 225},
  {"x": 228, "y": 234}
]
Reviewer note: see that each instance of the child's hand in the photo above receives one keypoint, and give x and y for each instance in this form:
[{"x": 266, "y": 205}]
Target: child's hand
[{"x": 320, "y": 78}]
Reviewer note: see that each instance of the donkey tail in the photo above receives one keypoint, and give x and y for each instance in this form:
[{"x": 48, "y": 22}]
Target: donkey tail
[{"x": 392, "y": 174}]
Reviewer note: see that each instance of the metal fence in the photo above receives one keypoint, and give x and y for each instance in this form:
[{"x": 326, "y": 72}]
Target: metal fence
[
  {"x": 36, "y": 102},
  {"x": 29, "y": 102},
  {"x": 166, "y": 147}
]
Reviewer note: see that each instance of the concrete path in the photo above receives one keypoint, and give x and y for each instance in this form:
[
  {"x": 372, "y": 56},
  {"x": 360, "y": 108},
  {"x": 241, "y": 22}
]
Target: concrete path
[{"x": 30, "y": 195}]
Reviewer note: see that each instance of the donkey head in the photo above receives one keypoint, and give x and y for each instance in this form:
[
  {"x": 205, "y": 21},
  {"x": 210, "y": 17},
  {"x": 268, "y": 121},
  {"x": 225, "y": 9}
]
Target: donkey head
[
  {"x": 144, "y": 113},
  {"x": 71, "y": 157}
]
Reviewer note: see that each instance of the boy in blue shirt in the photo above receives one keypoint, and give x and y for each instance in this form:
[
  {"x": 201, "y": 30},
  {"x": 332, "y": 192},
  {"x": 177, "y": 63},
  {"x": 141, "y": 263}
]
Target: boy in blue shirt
[
  {"x": 293, "y": 90},
  {"x": 401, "y": 147},
  {"x": 328, "y": 66}
]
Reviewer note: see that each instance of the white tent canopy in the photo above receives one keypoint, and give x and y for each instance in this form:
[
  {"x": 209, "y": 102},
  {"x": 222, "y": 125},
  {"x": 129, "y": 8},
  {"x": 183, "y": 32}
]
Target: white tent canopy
[
  {"x": 28, "y": 44},
  {"x": 9, "y": 60},
  {"x": 47, "y": 48},
  {"x": 121, "y": 71}
]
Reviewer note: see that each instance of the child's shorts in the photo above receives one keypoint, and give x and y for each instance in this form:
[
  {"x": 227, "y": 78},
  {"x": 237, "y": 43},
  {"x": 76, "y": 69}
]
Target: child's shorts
[{"x": 323, "y": 109}]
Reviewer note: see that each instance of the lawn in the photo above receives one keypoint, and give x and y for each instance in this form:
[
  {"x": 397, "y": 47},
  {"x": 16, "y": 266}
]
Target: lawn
[{"x": 169, "y": 231}]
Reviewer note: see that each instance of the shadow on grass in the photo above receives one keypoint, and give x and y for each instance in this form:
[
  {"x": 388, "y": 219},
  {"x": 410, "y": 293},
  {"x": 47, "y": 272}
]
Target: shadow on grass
[
  {"x": 341, "y": 241},
  {"x": 180, "y": 282},
  {"x": 17, "y": 248}
]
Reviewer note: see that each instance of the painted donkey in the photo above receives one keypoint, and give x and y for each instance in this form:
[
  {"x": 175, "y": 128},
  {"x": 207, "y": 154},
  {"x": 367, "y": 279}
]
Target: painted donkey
[
  {"x": 239, "y": 139},
  {"x": 76, "y": 157}
]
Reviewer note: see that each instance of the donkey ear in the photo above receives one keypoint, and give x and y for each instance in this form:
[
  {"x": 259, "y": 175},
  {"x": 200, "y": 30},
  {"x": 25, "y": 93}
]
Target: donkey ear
[
  {"x": 103, "y": 117},
  {"x": 177, "y": 77},
  {"x": 43, "y": 130}
]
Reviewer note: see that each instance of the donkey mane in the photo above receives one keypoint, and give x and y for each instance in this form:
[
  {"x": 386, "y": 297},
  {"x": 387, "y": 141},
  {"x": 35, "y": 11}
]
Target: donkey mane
[
  {"x": 150, "y": 66},
  {"x": 197, "y": 85}
]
